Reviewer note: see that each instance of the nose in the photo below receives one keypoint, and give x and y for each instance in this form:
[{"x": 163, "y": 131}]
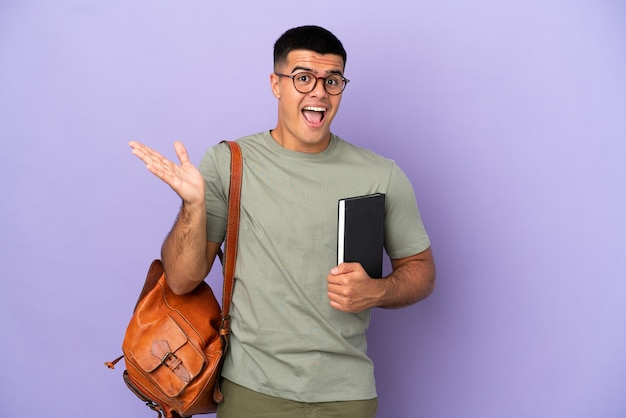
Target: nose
[{"x": 317, "y": 90}]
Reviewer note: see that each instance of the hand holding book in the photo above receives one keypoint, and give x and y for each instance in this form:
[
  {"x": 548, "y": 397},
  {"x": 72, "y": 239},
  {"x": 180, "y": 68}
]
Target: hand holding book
[{"x": 351, "y": 290}]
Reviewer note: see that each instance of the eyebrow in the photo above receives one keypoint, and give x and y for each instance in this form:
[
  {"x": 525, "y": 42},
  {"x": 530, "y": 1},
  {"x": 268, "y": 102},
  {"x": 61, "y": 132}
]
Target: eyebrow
[{"x": 299, "y": 68}]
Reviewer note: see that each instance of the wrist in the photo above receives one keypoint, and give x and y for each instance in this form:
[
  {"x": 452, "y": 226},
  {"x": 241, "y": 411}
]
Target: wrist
[
  {"x": 380, "y": 291},
  {"x": 194, "y": 205}
]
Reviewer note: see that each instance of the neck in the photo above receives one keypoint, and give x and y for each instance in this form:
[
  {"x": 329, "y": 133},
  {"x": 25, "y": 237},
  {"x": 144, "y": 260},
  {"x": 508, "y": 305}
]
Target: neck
[{"x": 291, "y": 143}]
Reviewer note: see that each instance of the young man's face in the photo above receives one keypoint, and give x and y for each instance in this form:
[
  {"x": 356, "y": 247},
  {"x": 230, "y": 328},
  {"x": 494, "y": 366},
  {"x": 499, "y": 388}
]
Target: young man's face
[{"x": 304, "y": 118}]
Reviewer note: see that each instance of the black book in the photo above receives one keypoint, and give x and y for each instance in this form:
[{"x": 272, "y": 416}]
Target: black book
[{"x": 360, "y": 234}]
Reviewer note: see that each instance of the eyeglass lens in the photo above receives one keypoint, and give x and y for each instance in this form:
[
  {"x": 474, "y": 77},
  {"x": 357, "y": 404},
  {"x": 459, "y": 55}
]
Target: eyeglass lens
[{"x": 306, "y": 82}]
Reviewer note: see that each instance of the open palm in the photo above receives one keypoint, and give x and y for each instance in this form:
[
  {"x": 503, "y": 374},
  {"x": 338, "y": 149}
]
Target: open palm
[{"x": 185, "y": 179}]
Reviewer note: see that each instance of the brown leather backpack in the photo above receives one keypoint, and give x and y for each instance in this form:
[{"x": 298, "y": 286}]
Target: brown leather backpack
[{"x": 174, "y": 345}]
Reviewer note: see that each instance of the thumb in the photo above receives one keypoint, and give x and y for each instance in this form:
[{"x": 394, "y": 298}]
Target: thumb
[
  {"x": 181, "y": 152},
  {"x": 342, "y": 268}
]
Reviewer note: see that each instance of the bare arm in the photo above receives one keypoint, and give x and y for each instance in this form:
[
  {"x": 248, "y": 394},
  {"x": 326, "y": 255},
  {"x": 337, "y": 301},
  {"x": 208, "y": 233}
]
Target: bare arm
[
  {"x": 350, "y": 289},
  {"x": 412, "y": 280},
  {"x": 187, "y": 255}
]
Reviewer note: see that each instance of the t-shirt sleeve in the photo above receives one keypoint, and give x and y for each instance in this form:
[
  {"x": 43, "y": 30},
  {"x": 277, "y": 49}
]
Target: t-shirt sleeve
[
  {"x": 215, "y": 168},
  {"x": 405, "y": 234}
]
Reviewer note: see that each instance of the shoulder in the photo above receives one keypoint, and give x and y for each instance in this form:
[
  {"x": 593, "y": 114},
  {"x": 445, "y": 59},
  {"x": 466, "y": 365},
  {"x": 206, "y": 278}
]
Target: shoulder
[
  {"x": 351, "y": 153},
  {"x": 218, "y": 155}
]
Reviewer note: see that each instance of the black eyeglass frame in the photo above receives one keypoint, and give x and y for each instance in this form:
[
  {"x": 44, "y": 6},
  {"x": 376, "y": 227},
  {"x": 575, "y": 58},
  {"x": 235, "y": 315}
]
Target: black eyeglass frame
[{"x": 293, "y": 78}]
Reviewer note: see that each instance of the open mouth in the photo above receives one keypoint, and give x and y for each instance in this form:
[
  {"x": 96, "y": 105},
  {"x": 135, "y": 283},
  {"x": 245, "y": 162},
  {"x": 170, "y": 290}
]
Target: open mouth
[{"x": 314, "y": 115}]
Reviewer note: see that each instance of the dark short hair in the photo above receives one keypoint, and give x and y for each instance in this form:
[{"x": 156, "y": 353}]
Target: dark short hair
[{"x": 310, "y": 38}]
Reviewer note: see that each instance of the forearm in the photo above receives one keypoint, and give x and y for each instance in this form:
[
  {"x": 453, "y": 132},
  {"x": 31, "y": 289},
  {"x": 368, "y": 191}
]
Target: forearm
[
  {"x": 412, "y": 280},
  {"x": 184, "y": 251}
]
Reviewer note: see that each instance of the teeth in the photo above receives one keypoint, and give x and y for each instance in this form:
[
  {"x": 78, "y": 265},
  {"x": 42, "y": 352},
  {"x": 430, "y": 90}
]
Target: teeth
[{"x": 315, "y": 109}]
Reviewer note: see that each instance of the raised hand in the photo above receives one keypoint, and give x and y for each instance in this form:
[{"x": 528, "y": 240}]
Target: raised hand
[{"x": 185, "y": 179}]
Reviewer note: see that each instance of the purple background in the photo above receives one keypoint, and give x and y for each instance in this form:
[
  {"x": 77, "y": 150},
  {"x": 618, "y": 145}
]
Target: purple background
[{"x": 509, "y": 118}]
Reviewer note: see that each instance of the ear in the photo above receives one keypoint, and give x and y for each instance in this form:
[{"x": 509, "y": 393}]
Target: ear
[{"x": 275, "y": 85}]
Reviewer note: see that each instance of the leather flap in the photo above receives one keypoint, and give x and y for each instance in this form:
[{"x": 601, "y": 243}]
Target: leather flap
[{"x": 164, "y": 333}]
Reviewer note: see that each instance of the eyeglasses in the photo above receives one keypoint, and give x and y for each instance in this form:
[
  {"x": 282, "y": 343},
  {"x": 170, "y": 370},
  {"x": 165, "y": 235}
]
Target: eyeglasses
[{"x": 305, "y": 82}]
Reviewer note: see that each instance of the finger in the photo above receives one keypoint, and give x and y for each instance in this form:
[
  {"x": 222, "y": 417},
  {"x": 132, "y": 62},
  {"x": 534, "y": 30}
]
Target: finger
[
  {"x": 136, "y": 148},
  {"x": 334, "y": 280},
  {"x": 339, "y": 303},
  {"x": 335, "y": 292},
  {"x": 181, "y": 152},
  {"x": 344, "y": 268},
  {"x": 154, "y": 161},
  {"x": 143, "y": 152}
]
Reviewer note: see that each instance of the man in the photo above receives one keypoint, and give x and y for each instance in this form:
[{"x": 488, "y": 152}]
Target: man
[{"x": 298, "y": 321}]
